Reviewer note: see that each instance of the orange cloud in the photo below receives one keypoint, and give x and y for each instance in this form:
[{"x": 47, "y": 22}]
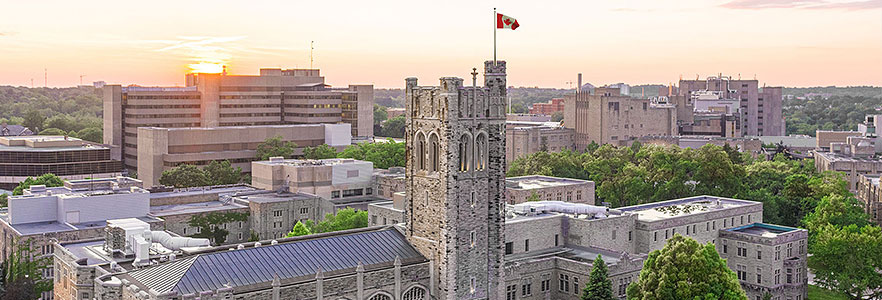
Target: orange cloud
[{"x": 807, "y": 4}]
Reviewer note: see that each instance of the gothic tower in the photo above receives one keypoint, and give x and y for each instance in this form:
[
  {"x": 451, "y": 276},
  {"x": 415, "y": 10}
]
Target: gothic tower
[{"x": 455, "y": 182}]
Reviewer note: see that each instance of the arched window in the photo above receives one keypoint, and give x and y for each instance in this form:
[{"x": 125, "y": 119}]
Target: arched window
[
  {"x": 434, "y": 153},
  {"x": 465, "y": 153},
  {"x": 414, "y": 293},
  {"x": 380, "y": 296},
  {"x": 481, "y": 151},
  {"x": 420, "y": 151}
]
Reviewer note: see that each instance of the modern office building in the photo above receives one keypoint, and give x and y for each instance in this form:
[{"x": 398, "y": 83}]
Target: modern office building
[
  {"x": 606, "y": 117},
  {"x": 160, "y": 149},
  {"x": 760, "y": 108},
  {"x": 275, "y": 97},
  {"x": 525, "y": 138},
  {"x": 522, "y": 189},
  {"x": 69, "y": 158}
]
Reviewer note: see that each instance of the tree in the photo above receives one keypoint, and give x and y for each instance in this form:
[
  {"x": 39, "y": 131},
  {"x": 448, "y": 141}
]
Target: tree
[
  {"x": 380, "y": 114},
  {"x": 49, "y": 180},
  {"x": 274, "y": 147},
  {"x": 598, "y": 287},
  {"x": 848, "y": 260},
  {"x": 299, "y": 230},
  {"x": 685, "y": 269},
  {"x": 384, "y": 155},
  {"x": 222, "y": 172},
  {"x": 533, "y": 197},
  {"x": 394, "y": 127},
  {"x": 322, "y": 151},
  {"x": 4, "y": 200},
  {"x": 557, "y": 116},
  {"x": 210, "y": 225},
  {"x": 92, "y": 134},
  {"x": 519, "y": 108},
  {"x": 185, "y": 175},
  {"x": 52, "y": 131},
  {"x": 33, "y": 120},
  {"x": 347, "y": 218},
  {"x": 838, "y": 211}
]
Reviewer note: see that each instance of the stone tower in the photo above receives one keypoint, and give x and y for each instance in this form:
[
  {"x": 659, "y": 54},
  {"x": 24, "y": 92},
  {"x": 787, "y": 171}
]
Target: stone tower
[{"x": 456, "y": 180}]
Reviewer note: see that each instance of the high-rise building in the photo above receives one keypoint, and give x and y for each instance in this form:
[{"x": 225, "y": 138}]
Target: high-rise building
[
  {"x": 760, "y": 109},
  {"x": 275, "y": 97},
  {"x": 455, "y": 182}
]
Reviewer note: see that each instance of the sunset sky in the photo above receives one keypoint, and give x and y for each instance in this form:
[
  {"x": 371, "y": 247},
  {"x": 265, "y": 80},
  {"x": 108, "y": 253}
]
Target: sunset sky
[{"x": 781, "y": 42}]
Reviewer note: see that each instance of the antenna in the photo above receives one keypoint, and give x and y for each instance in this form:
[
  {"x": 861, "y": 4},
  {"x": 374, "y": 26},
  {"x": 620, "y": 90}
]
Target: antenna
[
  {"x": 81, "y": 79},
  {"x": 32, "y": 83},
  {"x": 311, "y": 43},
  {"x": 45, "y": 77}
]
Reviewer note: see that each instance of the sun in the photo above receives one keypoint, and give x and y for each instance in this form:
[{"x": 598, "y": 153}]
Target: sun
[{"x": 206, "y": 67}]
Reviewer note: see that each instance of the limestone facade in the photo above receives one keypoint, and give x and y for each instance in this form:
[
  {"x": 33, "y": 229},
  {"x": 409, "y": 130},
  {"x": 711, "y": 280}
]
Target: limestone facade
[{"x": 871, "y": 196}]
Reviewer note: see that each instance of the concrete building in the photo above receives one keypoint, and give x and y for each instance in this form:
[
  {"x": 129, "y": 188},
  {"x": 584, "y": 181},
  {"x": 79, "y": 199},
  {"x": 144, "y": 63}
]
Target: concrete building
[
  {"x": 334, "y": 178},
  {"x": 275, "y": 97},
  {"x": 606, "y": 117},
  {"x": 868, "y": 130},
  {"x": 69, "y": 158},
  {"x": 548, "y": 108},
  {"x": 520, "y": 189},
  {"x": 389, "y": 182},
  {"x": 761, "y": 108},
  {"x": 768, "y": 259},
  {"x": 527, "y": 118},
  {"x": 854, "y": 158},
  {"x": 826, "y": 137},
  {"x": 871, "y": 196},
  {"x": 525, "y": 138},
  {"x": 161, "y": 149}
]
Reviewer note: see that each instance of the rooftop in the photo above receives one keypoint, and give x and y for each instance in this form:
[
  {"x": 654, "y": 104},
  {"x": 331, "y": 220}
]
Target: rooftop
[
  {"x": 189, "y": 208},
  {"x": 801, "y": 141},
  {"x": 311, "y": 162},
  {"x": 271, "y": 197},
  {"x": 763, "y": 229},
  {"x": 539, "y": 181},
  {"x": 55, "y": 226},
  {"x": 45, "y": 143},
  {"x": 232, "y": 190},
  {"x": 834, "y": 157},
  {"x": 682, "y": 207}
]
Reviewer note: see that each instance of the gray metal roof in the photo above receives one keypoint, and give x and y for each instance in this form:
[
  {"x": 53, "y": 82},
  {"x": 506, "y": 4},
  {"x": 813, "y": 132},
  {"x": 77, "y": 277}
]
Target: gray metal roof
[{"x": 233, "y": 268}]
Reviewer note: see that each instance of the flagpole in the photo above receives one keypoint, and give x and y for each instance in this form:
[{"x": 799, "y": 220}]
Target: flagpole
[{"x": 494, "y": 36}]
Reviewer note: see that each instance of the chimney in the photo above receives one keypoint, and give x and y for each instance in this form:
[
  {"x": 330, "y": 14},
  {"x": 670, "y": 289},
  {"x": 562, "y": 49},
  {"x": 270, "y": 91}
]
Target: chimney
[{"x": 579, "y": 86}]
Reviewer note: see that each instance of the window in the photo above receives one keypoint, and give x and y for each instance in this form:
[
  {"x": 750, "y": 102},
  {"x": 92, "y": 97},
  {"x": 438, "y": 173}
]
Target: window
[
  {"x": 351, "y": 173},
  {"x": 481, "y": 152},
  {"x": 526, "y": 288},
  {"x": 509, "y": 248},
  {"x": 472, "y": 238},
  {"x": 789, "y": 250},
  {"x": 473, "y": 285},
  {"x": 759, "y": 253},
  {"x": 546, "y": 283},
  {"x": 239, "y": 236},
  {"x": 759, "y": 275},
  {"x": 414, "y": 293},
  {"x": 473, "y": 202},
  {"x": 435, "y": 153},
  {"x": 527, "y": 245},
  {"x": 511, "y": 292},
  {"x": 369, "y": 191},
  {"x": 789, "y": 275},
  {"x": 465, "y": 150},
  {"x": 379, "y": 296},
  {"x": 655, "y": 236},
  {"x": 335, "y": 194},
  {"x": 614, "y": 234},
  {"x": 777, "y": 253},
  {"x": 556, "y": 238},
  {"x": 778, "y": 276},
  {"x": 304, "y": 210},
  {"x": 630, "y": 235},
  {"x": 742, "y": 272},
  {"x": 801, "y": 246},
  {"x": 725, "y": 247},
  {"x": 563, "y": 284},
  {"x": 240, "y": 224},
  {"x": 748, "y": 219},
  {"x": 742, "y": 220},
  {"x": 576, "y": 285},
  {"x": 277, "y": 213},
  {"x": 420, "y": 159}
]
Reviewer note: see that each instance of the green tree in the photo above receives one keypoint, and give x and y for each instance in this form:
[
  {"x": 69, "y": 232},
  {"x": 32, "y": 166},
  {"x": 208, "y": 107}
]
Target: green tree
[
  {"x": 322, "y": 151},
  {"x": 299, "y": 230},
  {"x": 52, "y": 131},
  {"x": 4, "y": 200},
  {"x": 22, "y": 273},
  {"x": 394, "y": 127},
  {"x": 557, "y": 116},
  {"x": 274, "y": 147},
  {"x": 33, "y": 120},
  {"x": 598, "y": 287},
  {"x": 222, "y": 172},
  {"x": 210, "y": 225},
  {"x": 49, "y": 180},
  {"x": 533, "y": 197},
  {"x": 848, "y": 260},
  {"x": 380, "y": 114},
  {"x": 837, "y": 210},
  {"x": 685, "y": 269},
  {"x": 347, "y": 218},
  {"x": 185, "y": 175},
  {"x": 92, "y": 134},
  {"x": 384, "y": 155}
]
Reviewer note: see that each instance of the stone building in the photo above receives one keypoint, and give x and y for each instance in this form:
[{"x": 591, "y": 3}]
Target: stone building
[
  {"x": 455, "y": 180},
  {"x": 871, "y": 196},
  {"x": 525, "y": 138},
  {"x": 275, "y": 97},
  {"x": 521, "y": 189},
  {"x": 768, "y": 259},
  {"x": 389, "y": 182},
  {"x": 854, "y": 158},
  {"x": 161, "y": 149},
  {"x": 606, "y": 117}
]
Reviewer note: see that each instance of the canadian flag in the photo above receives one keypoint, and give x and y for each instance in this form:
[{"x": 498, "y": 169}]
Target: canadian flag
[{"x": 504, "y": 22}]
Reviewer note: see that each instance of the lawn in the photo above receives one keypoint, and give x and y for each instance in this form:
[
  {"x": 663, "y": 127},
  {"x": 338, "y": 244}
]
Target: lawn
[{"x": 818, "y": 293}]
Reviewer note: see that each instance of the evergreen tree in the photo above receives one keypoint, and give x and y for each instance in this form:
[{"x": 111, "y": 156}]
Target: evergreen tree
[{"x": 598, "y": 287}]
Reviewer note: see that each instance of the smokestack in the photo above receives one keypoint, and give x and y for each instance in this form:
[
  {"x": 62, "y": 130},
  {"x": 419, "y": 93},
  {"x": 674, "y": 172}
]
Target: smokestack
[{"x": 579, "y": 87}]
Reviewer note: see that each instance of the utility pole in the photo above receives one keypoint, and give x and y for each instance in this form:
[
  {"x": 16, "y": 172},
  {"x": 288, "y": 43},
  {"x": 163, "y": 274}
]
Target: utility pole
[
  {"x": 81, "y": 79},
  {"x": 32, "y": 83},
  {"x": 45, "y": 77}
]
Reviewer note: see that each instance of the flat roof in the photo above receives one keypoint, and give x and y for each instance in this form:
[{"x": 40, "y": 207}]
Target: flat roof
[
  {"x": 189, "y": 208},
  {"x": 222, "y": 190},
  {"x": 313, "y": 162},
  {"x": 24, "y": 148},
  {"x": 539, "y": 181},
  {"x": 802, "y": 141},
  {"x": 55, "y": 226},
  {"x": 763, "y": 229},
  {"x": 682, "y": 207},
  {"x": 842, "y": 157},
  {"x": 271, "y": 197}
]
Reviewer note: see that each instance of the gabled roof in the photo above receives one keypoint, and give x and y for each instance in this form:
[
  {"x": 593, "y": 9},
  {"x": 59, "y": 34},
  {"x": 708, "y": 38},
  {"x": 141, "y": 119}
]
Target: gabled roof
[{"x": 234, "y": 268}]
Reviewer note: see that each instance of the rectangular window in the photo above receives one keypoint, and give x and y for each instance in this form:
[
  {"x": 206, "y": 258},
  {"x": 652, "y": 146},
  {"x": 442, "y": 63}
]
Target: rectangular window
[
  {"x": 351, "y": 173},
  {"x": 277, "y": 213},
  {"x": 556, "y": 238},
  {"x": 511, "y": 292},
  {"x": 239, "y": 236},
  {"x": 614, "y": 234},
  {"x": 655, "y": 236},
  {"x": 304, "y": 210},
  {"x": 472, "y": 238},
  {"x": 527, "y": 245},
  {"x": 789, "y": 275},
  {"x": 630, "y": 235},
  {"x": 759, "y": 275},
  {"x": 759, "y": 254},
  {"x": 576, "y": 285},
  {"x": 563, "y": 284},
  {"x": 509, "y": 248},
  {"x": 473, "y": 284},
  {"x": 526, "y": 289}
]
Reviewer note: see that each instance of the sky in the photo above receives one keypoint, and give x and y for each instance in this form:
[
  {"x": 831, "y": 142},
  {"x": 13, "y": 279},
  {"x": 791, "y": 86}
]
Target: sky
[{"x": 779, "y": 42}]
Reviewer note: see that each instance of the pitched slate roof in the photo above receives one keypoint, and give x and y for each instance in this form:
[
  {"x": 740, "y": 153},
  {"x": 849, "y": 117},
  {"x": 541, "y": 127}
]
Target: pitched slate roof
[{"x": 233, "y": 268}]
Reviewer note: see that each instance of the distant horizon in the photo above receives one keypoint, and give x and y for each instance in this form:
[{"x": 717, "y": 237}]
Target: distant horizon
[{"x": 781, "y": 42}]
